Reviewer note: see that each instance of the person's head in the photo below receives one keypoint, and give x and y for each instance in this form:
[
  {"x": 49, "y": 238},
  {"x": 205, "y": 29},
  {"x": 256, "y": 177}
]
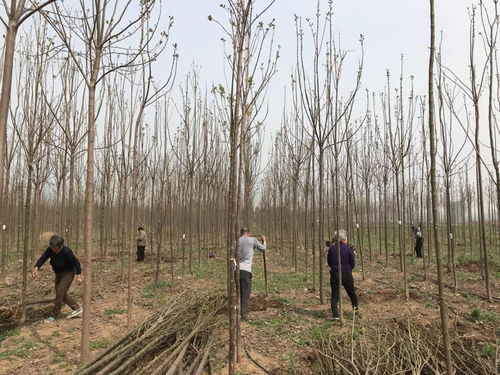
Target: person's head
[
  {"x": 341, "y": 236},
  {"x": 245, "y": 232},
  {"x": 56, "y": 243},
  {"x": 412, "y": 228},
  {"x": 140, "y": 228}
]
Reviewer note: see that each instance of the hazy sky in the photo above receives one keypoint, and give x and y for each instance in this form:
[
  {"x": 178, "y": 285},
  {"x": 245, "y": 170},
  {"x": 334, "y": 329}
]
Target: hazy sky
[{"x": 390, "y": 27}]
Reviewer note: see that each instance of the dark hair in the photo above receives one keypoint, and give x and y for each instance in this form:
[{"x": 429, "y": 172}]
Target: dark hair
[
  {"x": 140, "y": 228},
  {"x": 244, "y": 230},
  {"x": 56, "y": 241}
]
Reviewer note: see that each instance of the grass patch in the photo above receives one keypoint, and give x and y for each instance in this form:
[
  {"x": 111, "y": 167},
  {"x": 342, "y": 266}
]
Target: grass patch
[
  {"x": 55, "y": 334},
  {"x": 466, "y": 275},
  {"x": 61, "y": 361},
  {"x": 292, "y": 363},
  {"x": 99, "y": 344},
  {"x": 116, "y": 311},
  {"x": 430, "y": 305},
  {"x": 279, "y": 282},
  {"x": 276, "y": 326},
  {"x": 150, "y": 290},
  {"x": 489, "y": 351},
  {"x": 9, "y": 332},
  {"x": 480, "y": 315},
  {"x": 21, "y": 351},
  {"x": 317, "y": 332},
  {"x": 211, "y": 270}
]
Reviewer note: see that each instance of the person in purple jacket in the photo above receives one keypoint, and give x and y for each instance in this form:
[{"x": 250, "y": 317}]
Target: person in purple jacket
[{"x": 347, "y": 262}]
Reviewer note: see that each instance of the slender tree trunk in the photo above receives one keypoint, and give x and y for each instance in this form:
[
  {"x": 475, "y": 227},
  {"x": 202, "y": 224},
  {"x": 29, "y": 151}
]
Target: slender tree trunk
[
  {"x": 435, "y": 202},
  {"x": 321, "y": 236},
  {"x": 89, "y": 221},
  {"x": 26, "y": 239},
  {"x": 8, "y": 66}
]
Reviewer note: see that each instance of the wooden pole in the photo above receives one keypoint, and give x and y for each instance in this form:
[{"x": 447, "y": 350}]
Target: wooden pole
[{"x": 265, "y": 272}]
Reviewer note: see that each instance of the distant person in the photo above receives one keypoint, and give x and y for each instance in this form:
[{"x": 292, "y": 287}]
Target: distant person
[
  {"x": 142, "y": 240},
  {"x": 65, "y": 266},
  {"x": 347, "y": 262},
  {"x": 246, "y": 246},
  {"x": 419, "y": 241}
]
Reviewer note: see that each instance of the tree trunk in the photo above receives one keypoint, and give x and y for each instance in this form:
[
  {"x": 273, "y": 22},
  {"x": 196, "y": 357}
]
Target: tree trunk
[
  {"x": 88, "y": 225},
  {"x": 26, "y": 239},
  {"x": 8, "y": 66},
  {"x": 435, "y": 203}
]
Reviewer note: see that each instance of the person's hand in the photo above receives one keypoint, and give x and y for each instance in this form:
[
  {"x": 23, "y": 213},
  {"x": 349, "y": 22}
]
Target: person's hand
[
  {"x": 35, "y": 271},
  {"x": 79, "y": 278},
  {"x": 263, "y": 238}
]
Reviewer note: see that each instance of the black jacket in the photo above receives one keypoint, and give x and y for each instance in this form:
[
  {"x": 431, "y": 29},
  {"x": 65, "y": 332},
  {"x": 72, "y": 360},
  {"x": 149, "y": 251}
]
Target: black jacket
[{"x": 64, "y": 261}]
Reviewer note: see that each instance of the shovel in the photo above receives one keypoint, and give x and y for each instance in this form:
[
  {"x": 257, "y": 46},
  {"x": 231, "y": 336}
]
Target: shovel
[{"x": 265, "y": 272}]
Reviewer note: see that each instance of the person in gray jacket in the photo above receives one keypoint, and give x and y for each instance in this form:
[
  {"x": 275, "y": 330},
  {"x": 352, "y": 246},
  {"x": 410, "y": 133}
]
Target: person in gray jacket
[{"x": 246, "y": 245}]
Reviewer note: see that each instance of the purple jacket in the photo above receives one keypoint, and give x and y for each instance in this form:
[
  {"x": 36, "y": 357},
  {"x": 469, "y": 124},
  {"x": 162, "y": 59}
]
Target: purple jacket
[{"x": 346, "y": 258}]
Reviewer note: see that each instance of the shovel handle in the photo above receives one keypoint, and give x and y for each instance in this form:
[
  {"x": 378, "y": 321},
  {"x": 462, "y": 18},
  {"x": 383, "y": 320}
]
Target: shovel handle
[{"x": 265, "y": 271}]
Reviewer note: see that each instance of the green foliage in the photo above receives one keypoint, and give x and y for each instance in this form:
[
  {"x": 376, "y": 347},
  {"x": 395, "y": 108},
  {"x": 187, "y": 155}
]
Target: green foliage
[
  {"x": 430, "y": 305},
  {"x": 358, "y": 332},
  {"x": 318, "y": 332},
  {"x": 278, "y": 282},
  {"x": 62, "y": 362},
  {"x": 284, "y": 300},
  {"x": 489, "y": 351},
  {"x": 292, "y": 363},
  {"x": 21, "y": 351},
  {"x": 480, "y": 315},
  {"x": 9, "y": 332},
  {"x": 99, "y": 344},
  {"x": 118, "y": 310},
  {"x": 150, "y": 290}
]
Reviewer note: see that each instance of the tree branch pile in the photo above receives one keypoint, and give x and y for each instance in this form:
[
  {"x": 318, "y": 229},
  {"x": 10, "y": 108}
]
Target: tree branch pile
[
  {"x": 177, "y": 338},
  {"x": 405, "y": 348}
]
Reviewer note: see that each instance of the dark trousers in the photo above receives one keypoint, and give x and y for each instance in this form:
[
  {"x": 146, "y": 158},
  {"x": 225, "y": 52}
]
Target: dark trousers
[
  {"x": 245, "y": 291},
  {"x": 419, "y": 243},
  {"x": 140, "y": 253},
  {"x": 348, "y": 284},
  {"x": 63, "y": 282}
]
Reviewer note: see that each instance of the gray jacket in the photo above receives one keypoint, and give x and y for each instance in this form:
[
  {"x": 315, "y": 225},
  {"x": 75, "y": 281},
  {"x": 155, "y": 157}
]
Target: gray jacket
[{"x": 247, "y": 244}]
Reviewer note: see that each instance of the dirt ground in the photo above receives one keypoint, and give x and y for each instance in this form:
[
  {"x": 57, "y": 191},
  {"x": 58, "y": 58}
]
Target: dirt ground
[{"x": 281, "y": 327}]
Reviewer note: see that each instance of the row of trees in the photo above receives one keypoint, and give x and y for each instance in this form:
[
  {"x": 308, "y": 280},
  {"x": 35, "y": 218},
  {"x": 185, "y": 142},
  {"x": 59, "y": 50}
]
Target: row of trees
[{"x": 89, "y": 135}]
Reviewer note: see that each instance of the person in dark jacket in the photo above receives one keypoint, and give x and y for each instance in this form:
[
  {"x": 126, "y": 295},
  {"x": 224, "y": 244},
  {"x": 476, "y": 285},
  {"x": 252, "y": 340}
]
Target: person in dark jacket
[
  {"x": 65, "y": 266},
  {"x": 347, "y": 263},
  {"x": 141, "y": 240},
  {"x": 419, "y": 241}
]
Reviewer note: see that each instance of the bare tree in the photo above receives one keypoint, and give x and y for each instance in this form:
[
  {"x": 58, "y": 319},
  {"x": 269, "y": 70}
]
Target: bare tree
[
  {"x": 17, "y": 13},
  {"x": 102, "y": 29},
  {"x": 435, "y": 203}
]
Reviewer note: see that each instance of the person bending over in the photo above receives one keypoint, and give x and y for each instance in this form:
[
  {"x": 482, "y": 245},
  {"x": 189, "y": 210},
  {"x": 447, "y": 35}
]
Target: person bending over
[
  {"x": 65, "y": 266},
  {"x": 246, "y": 246},
  {"x": 347, "y": 263}
]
